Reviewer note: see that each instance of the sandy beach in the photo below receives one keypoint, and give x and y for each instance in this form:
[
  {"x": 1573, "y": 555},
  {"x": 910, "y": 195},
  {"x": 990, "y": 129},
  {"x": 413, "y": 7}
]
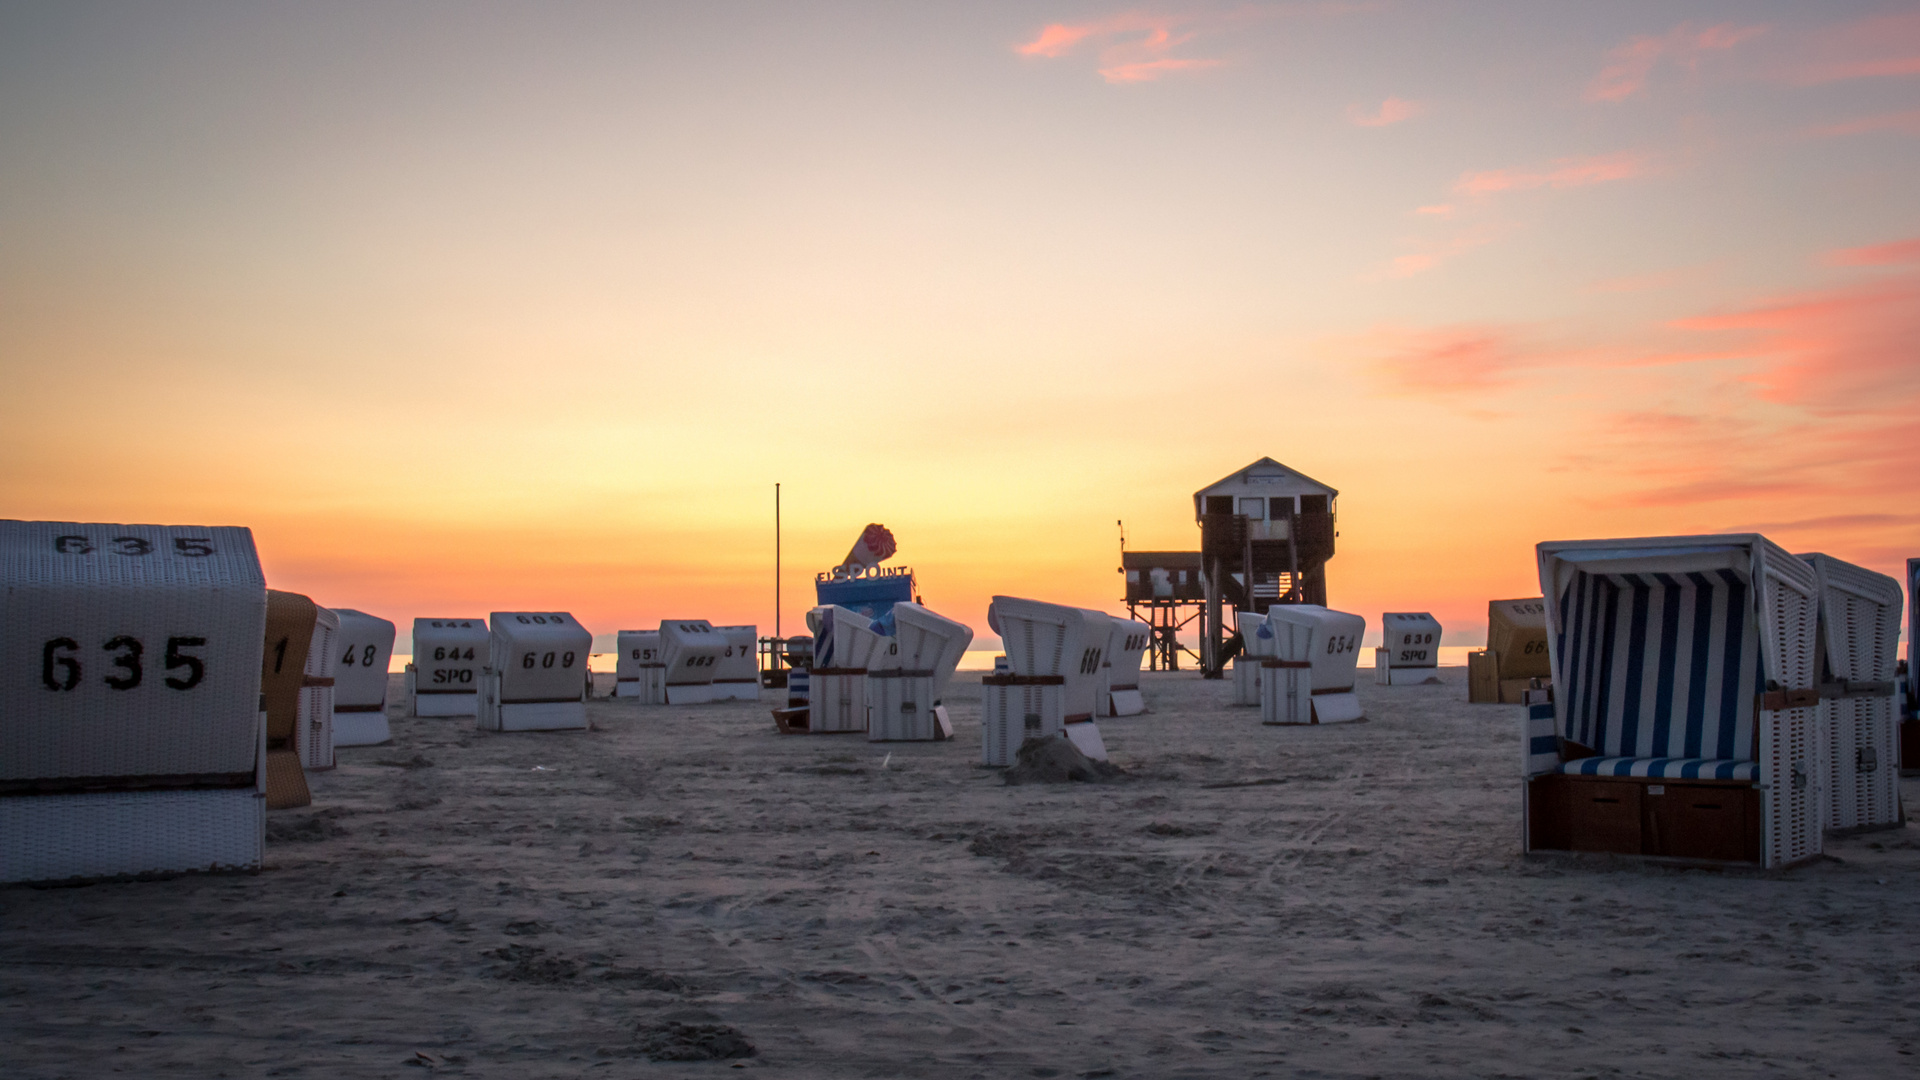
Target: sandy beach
[{"x": 1325, "y": 902}]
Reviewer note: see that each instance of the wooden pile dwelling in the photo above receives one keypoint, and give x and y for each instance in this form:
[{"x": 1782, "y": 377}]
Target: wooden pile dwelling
[{"x": 1266, "y": 533}]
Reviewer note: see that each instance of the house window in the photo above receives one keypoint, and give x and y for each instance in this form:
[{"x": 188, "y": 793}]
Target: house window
[
  {"x": 1279, "y": 508},
  {"x": 1254, "y": 508},
  {"x": 1219, "y": 504},
  {"x": 1314, "y": 504}
]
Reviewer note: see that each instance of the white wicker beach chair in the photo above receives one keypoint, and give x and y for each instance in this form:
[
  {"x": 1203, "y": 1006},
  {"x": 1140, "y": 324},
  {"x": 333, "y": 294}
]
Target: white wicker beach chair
[
  {"x": 736, "y": 677},
  {"x": 638, "y": 670},
  {"x": 536, "y": 677},
  {"x": 692, "y": 650},
  {"x": 845, "y": 647},
  {"x": 1328, "y": 642},
  {"x": 1256, "y": 646},
  {"x": 1409, "y": 651},
  {"x": 1856, "y": 652},
  {"x": 364, "y": 651},
  {"x": 904, "y": 691},
  {"x": 1053, "y": 659},
  {"x": 1127, "y": 642},
  {"x": 449, "y": 656},
  {"x": 132, "y": 739},
  {"x": 314, "y": 733}
]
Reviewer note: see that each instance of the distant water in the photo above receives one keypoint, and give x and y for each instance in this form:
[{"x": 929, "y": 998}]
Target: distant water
[
  {"x": 977, "y": 659},
  {"x": 1450, "y": 656}
]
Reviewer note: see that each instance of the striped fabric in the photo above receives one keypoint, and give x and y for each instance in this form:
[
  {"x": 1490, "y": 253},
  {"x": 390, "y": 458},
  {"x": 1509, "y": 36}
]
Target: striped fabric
[
  {"x": 1913, "y": 631},
  {"x": 1542, "y": 746},
  {"x": 1659, "y": 666},
  {"x": 1667, "y": 768}
]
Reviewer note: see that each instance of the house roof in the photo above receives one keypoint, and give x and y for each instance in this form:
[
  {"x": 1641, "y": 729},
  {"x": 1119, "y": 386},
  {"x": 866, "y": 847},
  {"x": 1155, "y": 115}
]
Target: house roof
[{"x": 1265, "y": 465}]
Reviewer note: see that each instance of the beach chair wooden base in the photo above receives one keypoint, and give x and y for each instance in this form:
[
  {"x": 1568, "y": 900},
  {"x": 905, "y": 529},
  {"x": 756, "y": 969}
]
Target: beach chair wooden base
[{"x": 1707, "y": 820}]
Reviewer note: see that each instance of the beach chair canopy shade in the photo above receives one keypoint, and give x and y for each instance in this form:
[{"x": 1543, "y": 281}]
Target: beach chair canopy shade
[
  {"x": 1411, "y": 638},
  {"x": 364, "y": 652},
  {"x": 1054, "y": 639},
  {"x": 691, "y": 649},
  {"x": 1327, "y": 639},
  {"x": 1045, "y": 639},
  {"x": 128, "y": 650},
  {"x": 1256, "y": 637},
  {"x": 541, "y": 656},
  {"x": 930, "y": 642},
  {"x": 845, "y": 640},
  {"x": 1127, "y": 642},
  {"x": 1659, "y": 648}
]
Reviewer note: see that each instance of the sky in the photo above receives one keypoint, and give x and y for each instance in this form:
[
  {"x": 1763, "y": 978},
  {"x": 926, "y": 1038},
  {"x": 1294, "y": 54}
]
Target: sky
[{"x": 473, "y": 307}]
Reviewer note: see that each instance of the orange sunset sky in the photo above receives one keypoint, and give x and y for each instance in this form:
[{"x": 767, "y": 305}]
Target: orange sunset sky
[{"x": 465, "y": 307}]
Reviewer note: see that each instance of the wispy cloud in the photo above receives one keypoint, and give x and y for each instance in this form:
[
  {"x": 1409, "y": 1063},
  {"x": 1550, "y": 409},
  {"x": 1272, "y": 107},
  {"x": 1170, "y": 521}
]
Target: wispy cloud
[
  {"x": 1439, "y": 210},
  {"x": 1907, "y": 122},
  {"x": 1135, "y": 46},
  {"x": 1833, "y": 352},
  {"x": 1446, "y": 360},
  {"x": 1433, "y": 252},
  {"x": 1630, "y": 66},
  {"x": 1561, "y": 173},
  {"x": 1884, "y": 46},
  {"x": 1391, "y": 111},
  {"x": 1888, "y": 254}
]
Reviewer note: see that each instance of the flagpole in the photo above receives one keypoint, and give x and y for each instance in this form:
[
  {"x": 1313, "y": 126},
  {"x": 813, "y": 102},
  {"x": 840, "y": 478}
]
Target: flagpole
[{"x": 776, "y": 560}]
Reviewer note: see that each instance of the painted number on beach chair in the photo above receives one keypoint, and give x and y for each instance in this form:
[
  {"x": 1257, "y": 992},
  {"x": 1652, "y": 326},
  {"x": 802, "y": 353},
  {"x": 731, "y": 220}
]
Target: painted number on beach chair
[
  {"x": 1339, "y": 643},
  {"x": 366, "y": 656},
  {"x": 133, "y": 547},
  {"x": 61, "y": 671}
]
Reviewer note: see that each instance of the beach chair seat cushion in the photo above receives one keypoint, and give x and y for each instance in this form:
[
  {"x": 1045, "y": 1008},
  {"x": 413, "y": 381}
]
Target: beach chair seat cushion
[{"x": 1664, "y": 768}]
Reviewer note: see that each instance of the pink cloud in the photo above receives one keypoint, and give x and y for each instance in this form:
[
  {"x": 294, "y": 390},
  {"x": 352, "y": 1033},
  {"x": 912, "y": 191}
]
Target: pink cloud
[
  {"x": 1440, "y": 210},
  {"x": 1561, "y": 173},
  {"x": 1449, "y": 360},
  {"x": 1630, "y": 66},
  {"x": 1884, "y": 46},
  {"x": 1907, "y": 122},
  {"x": 1899, "y": 251},
  {"x": 1134, "y": 46},
  {"x": 1439, "y": 251},
  {"x": 1804, "y": 420},
  {"x": 1391, "y": 111},
  {"x": 1831, "y": 352},
  {"x": 1148, "y": 70}
]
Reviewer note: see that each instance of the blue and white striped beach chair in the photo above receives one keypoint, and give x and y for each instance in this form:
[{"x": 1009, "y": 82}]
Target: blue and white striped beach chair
[{"x": 1685, "y": 701}]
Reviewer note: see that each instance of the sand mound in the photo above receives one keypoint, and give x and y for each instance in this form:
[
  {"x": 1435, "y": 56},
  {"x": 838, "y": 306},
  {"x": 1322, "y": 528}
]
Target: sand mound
[
  {"x": 674, "y": 1041},
  {"x": 1056, "y": 760}
]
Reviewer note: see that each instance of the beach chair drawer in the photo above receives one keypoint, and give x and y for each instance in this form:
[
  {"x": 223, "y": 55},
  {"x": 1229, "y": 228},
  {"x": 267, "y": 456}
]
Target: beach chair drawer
[
  {"x": 1575, "y": 813},
  {"x": 1688, "y": 821}
]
